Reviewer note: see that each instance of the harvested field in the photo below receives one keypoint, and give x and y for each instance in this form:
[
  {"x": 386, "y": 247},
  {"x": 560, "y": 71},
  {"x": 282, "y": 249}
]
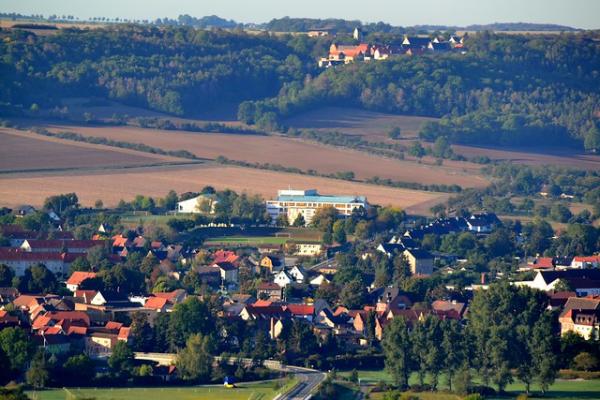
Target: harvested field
[
  {"x": 111, "y": 187},
  {"x": 23, "y": 151},
  {"x": 290, "y": 153},
  {"x": 542, "y": 156},
  {"x": 374, "y": 125}
]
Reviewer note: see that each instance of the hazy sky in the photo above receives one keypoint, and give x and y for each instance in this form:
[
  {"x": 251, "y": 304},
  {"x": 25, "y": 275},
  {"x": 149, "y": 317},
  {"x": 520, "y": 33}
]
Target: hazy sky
[{"x": 576, "y": 13}]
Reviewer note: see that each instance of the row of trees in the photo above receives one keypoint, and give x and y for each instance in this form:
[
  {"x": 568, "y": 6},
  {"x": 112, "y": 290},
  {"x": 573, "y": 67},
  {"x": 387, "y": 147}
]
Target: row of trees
[{"x": 508, "y": 331}]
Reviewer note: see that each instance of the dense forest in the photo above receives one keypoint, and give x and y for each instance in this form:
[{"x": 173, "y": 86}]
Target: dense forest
[
  {"x": 177, "y": 70},
  {"x": 507, "y": 89}
]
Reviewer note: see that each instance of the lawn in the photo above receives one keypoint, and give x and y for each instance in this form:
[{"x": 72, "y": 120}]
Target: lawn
[
  {"x": 255, "y": 391},
  {"x": 229, "y": 240},
  {"x": 562, "y": 389}
]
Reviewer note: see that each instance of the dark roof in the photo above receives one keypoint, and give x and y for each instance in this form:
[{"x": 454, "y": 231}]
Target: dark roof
[
  {"x": 392, "y": 248},
  {"x": 420, "y": 254},
  {"x": 226, "y": 266},
  {"x": 570, "y": 274},
  {"x": 483, "y": 219}
]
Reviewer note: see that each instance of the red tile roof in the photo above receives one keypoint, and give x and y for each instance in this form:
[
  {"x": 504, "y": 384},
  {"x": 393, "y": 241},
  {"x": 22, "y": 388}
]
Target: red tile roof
[
  {"x": 544, "y": 262},
  {"x": 155, "y": 303},
  {"x": 13, "y": 254},
  {"x": 301, "y": 309},
  {"x": 113, "y": 325},
  {"x": 225, "y": 256},
  {"x": 79, "y": 276}
]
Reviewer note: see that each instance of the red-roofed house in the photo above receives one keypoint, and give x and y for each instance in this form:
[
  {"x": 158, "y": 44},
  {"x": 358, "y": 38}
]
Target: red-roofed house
[
  {"x": 225, "y": 256},
  {"x": 586, "y": 262},
  {"x": 77, "y": 278},
  {"x": 158, "y": 304},
  {"x": 301, "y": 311},
  {"x": 61, "y": 318}
]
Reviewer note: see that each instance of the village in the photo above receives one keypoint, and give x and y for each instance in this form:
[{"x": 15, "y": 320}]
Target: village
[
  {"x": 87, "y": 294},
  {"x": 340, "y": 54}
]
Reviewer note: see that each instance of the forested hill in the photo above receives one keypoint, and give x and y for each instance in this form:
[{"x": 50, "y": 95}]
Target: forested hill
[
  {"x": 507, "y": 89},
  {"x": 178, "y": 70}
]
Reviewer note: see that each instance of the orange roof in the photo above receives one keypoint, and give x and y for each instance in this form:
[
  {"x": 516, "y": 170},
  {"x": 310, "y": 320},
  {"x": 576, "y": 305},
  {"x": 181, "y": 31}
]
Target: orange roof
[
  {"x": 166, "y": 295},
  {"x": 77, "y": 330},
  {"x": 544, "y": 262},
  {"x": 301, "y": 309},
  {"x": 262, "y": 303},
  {"x": 155, "y": 303},
  {"x": 123, "y": 333},
  {"x": 79, "y": 276},
  {"x": 112, "y": 325},
  {"x": 588, "y": 259}
]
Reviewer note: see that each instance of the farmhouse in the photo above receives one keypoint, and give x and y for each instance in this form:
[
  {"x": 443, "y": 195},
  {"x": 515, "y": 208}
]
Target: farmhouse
[{"x": 293, "y": 203}]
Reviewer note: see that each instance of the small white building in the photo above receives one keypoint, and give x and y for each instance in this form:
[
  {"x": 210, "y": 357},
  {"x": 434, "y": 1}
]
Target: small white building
[
  {"x": 197, "y": 205},
  {"x": 309, "y": 249},
  {"x": 283, "y": 279}
]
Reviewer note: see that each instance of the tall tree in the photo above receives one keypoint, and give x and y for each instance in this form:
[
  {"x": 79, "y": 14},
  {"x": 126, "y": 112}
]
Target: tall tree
[
  {"x": 194, "y": 361},
  {"x": 397, "y": 348}
]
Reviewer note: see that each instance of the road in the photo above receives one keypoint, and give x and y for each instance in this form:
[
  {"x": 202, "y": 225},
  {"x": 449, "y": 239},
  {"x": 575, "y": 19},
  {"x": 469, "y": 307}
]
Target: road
[{"x": 308, "y": 380}]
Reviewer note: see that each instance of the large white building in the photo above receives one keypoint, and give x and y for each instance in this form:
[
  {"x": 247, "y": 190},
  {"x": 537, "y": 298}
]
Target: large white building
[{"x": 307, "y": 202}]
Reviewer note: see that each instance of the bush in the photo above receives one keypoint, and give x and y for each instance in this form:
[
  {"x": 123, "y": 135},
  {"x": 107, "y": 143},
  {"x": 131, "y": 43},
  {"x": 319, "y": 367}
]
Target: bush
[{"x": 474, "y": 396}]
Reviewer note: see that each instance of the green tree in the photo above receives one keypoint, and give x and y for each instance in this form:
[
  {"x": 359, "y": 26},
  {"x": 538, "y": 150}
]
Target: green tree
[
  {"x": 17, "y": 348},
  {"x": 416, "y": 150},
  {"x": 121, "y": 359},
  {"x": 441, "y": 147},
  {"x": 78, "y": 368},
  {"x": 560, "y": 213},
  {"x": 38, "y": 279},
  {"x": 543, "y": 348},
  {"x": 395, "y": 133},
  {"x": 37, "y": 375},
  {"x": 339, "y": 232},
  {"x": 6, "y": 275},
  {"x": 397, "y": 348},
  {"x": 324, "y": 218},
  {"x": 353, "y": 294},
  {"x": 170, "y": 200},
  {"x": 190, "y": 317},
  {"x": 585, "y": 361},
  {"x": 592, "y": 139},
  {"x": 299, "y": 221},
  {"x": 194, "y": 361},
  {"x": 282, "y": 220},
  {"x": 454, "y": 345},
  {"x": 141, "y": 332}
]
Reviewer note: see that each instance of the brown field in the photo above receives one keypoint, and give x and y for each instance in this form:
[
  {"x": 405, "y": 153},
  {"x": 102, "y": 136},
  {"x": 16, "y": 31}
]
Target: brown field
[
  {"x": 291, "y": 153},
  {"x": 542, "y": 156},
  {"x": 157, "y": 181},
  {"x": 374, "y": 125},
  {"x": 23, "y": 151}
]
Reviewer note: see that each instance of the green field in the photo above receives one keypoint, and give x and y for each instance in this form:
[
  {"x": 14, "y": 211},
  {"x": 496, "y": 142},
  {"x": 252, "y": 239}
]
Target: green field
[
  {"x": 562, "y": 389},
  {"x": 230, "y": 240},
  {"x": 255, "y": 391}
]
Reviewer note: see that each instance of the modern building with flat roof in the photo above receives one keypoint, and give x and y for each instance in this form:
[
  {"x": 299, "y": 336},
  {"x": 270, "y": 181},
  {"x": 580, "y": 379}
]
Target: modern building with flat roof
[{"x": 307, "y": 202}]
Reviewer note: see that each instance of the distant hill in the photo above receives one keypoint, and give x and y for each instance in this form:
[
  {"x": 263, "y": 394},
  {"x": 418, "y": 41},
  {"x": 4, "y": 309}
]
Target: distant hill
[
  {"x": 211, "y": 21},
  {"x": 519, "y": 26}
]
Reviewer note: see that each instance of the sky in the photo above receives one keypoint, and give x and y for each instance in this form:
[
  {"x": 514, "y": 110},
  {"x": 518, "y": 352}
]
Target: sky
[{"x": 576, "y": 13}]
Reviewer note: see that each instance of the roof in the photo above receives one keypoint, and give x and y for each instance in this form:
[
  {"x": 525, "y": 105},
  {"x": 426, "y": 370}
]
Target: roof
[
  {"x": 587, "y": 259},
  {"x": 58, "y": 244},
  {"x": 78, "y": 277},
  {"x": 225, "y": 256},
  {"x": 324, "y": 199},
  {"x": 301, "y": 309},
  {"x": 551, "y": 276},
  {"x": 268, "y": 286},
  {"x": 13, "y": 254},
  {"x": 155, "y": 303},
  {"x": 420, "y": 253},
  {"x": 225, "y": 266}
]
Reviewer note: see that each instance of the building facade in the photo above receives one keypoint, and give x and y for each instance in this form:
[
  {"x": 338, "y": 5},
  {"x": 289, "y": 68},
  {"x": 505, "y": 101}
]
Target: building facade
[{"x": 306, "y": 203}]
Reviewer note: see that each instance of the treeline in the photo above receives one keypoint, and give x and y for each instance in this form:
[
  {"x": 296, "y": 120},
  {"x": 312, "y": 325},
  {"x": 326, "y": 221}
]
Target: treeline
[
  {"x": 212, "y": 127},
  {"x": 509, "y": 336},
  {"x": 178, "y": 70},
  {"x": 551, "y": 79}
]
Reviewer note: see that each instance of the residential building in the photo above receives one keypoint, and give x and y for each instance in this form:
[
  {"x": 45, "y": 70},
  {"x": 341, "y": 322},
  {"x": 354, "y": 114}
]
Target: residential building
[
  {"x": 420, "y": 261},
  {"x": 306, "y": 203},
  {"x": 271, "y": 291}
]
